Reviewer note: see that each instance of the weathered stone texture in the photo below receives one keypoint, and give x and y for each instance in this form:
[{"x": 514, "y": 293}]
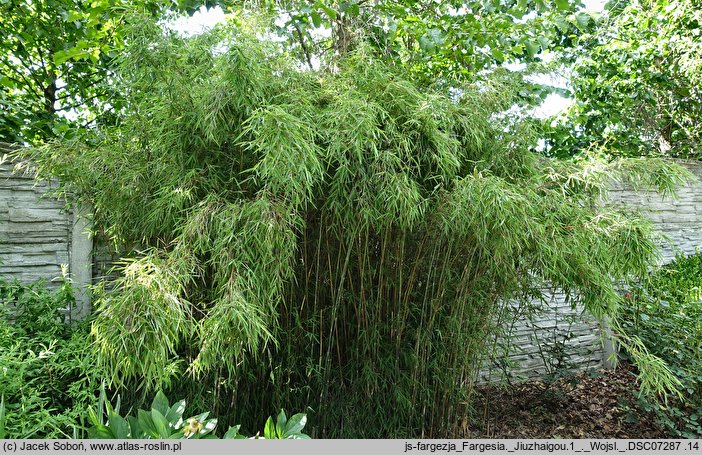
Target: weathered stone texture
[
  {"x": 35, "y": 230},
  {"x": 679, "y": 219}
]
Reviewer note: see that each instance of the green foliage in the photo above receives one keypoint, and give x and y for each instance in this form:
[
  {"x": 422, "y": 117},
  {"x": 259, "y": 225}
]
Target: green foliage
[
  {"x": 636, "y": 83},
  {"x": 343, "y": 240},
  {"x": 53, "y": 58},
  {"x": 165, "y": 421},
  {"x": 666, "y": 314},
  {"x": 447, "y": 41},
  {"x": 284, "y": 428},
  {"x": 56, "y": 61},
  {"x": 2, "y": 417},
  {"x": 48, "y": 369}
]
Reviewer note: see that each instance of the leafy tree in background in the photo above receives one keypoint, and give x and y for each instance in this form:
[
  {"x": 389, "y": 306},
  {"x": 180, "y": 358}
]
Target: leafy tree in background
[
  {"x": 55, "y": 63},
  {"x": 445, "y": 41},
  {"x": 636, "y": 83},
  {"x": 54, "y": 60},
  {"x": 57, "y": 54}
]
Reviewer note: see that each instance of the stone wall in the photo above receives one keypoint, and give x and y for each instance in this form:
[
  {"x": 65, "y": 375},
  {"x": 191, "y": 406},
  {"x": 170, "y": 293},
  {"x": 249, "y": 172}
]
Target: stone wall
[
  {"x": 35, "y": 231},
  {"x": 679, "y": 219},
  {"x": 38, "y": 235},
  {"x": 551, "y": 338},
  {"x": 561, "y": 336}
]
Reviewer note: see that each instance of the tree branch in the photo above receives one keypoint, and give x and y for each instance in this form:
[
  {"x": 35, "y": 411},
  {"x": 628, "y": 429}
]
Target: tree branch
[
  {"x": 304, "y": 46},
  {"x": 82, "y": 102},
  {"x": 68, "y": 95},
  {"x": 30, "y": 83}
]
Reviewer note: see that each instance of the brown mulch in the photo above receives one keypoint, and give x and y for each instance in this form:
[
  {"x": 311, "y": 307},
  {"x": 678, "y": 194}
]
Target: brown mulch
[{"x": 587, "y": 405}]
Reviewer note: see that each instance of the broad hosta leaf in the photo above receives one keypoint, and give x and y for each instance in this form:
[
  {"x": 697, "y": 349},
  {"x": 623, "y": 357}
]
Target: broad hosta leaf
[
  {"x": 160, "y": 403},
  {"x": 175, "y": 414},
  {"x": 118, "y": 426},
  {"x": 147, "y": 424},
  {"x": 160, "y": 424},
  {"x": 280, "y": 424},
  {"x": 269, "y": 429},
  {"x": 295, "y": 424},
  {"x": 233, "y": 433}
]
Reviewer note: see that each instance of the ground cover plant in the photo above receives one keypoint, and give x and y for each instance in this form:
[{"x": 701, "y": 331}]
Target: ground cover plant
[
  {"x": 338, "y": 241},
  {"x": 166, "y": 421},
  {"x": 49, "y": 375},
  {"x": 666, "y": 314}
]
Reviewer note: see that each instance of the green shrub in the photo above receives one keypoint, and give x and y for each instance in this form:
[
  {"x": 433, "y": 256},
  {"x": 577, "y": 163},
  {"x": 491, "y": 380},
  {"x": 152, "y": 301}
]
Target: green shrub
[
  {"x": 342, "y": 240},
  {"x": 165, "y": 421},
  {"x": 666, "y": 314},
  {"x": 48, "y": 370}
]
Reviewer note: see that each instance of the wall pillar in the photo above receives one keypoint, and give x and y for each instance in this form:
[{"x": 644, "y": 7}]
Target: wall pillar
[
  {"x": 609, "y": 352},
  {"x": 81, "y": 261}
]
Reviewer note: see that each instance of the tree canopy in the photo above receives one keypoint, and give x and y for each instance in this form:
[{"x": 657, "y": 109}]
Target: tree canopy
[
  {"x": 56, "y": 67},
  {"x": 448, "y": 41},
  {"x": 636, "y": 83},
  {"x": 54, "y": 60}
]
